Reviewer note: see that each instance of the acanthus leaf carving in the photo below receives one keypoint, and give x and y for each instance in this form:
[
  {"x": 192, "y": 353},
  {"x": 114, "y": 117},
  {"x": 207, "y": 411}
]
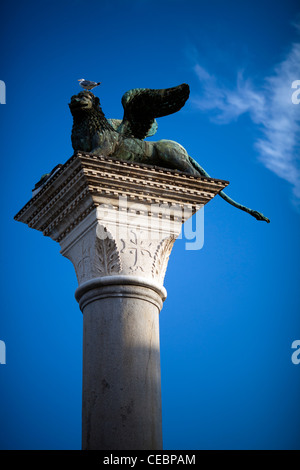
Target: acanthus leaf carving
[
  {"x": 107, "y": 258},
  {"x": 161, "y": 258}
]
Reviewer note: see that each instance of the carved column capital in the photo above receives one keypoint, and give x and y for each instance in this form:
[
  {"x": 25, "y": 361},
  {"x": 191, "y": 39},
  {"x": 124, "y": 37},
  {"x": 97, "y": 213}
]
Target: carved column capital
[{"x": 106, "y": 246}]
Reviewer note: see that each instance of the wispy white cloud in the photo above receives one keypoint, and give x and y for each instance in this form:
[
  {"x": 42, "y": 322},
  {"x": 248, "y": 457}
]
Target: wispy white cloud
[
  {"x": 270, "y": 108},
  {"x": 227, "y": 104}
]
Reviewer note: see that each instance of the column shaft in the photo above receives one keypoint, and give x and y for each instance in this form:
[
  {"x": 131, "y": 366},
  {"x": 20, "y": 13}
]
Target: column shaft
[{"x": 121, "y": 402}]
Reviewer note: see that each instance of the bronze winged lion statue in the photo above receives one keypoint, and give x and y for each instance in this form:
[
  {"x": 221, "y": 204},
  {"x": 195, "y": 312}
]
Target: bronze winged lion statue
[{"x": 124, "y": 139}]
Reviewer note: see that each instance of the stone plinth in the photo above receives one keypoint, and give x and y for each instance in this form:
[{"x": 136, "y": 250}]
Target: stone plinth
[{"x": 117, "y": 222}]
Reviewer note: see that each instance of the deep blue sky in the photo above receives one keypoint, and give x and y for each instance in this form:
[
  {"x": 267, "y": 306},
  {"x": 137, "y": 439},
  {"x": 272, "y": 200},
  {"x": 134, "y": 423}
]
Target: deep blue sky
[{"x": 232, "y": 310}]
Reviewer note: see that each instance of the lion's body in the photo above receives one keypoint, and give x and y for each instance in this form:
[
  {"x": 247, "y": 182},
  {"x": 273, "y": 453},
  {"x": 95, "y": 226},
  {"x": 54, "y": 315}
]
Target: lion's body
[{"x": 93, "y": 133}]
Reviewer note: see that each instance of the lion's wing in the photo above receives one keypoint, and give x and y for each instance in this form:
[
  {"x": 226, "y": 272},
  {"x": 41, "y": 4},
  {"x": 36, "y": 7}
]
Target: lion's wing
[{"x": 143, "y": 105}]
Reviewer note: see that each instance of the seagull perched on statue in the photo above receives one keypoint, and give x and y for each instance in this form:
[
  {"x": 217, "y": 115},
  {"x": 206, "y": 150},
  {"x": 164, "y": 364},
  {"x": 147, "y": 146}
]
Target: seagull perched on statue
[{"x": 87, "y": 84}]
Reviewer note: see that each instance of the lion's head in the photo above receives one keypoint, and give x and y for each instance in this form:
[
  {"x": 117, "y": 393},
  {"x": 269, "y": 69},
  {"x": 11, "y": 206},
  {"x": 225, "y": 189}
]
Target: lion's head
[
  {"x": 88, "y": 120},
  {"x": 84, "y": 101}
]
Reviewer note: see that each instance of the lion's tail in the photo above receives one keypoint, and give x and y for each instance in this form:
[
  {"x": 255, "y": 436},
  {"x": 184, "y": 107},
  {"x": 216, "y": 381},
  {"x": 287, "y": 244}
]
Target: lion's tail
[{"x": 257, "y": 215}]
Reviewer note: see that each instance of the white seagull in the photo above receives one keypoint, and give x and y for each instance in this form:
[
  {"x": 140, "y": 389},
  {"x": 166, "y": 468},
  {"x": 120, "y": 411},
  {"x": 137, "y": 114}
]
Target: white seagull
[{"x": 87, "y": 84}]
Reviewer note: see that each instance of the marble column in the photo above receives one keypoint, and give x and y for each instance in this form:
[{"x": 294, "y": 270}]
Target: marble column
[{"x": 117, "y": 223}]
